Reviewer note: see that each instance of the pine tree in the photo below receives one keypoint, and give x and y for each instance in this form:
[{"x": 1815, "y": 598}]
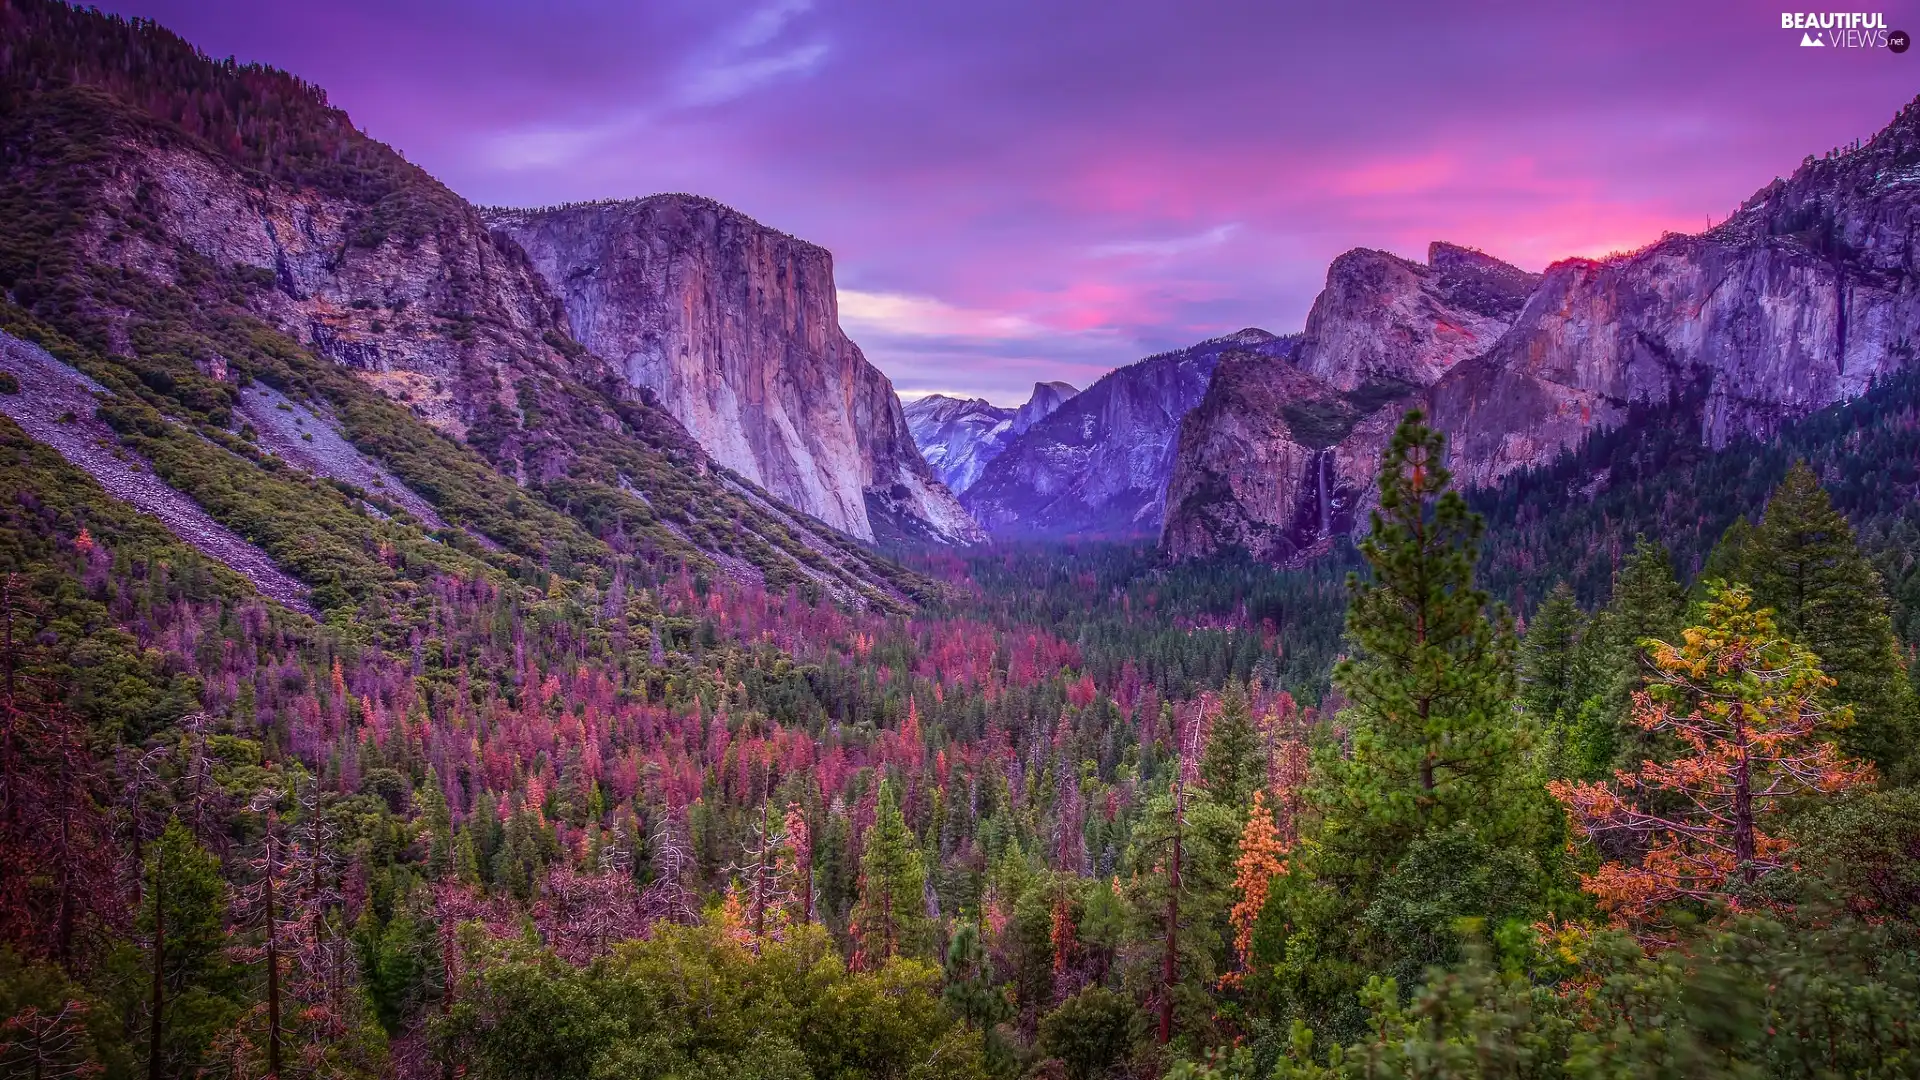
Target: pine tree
[
  {"x": 1802, "y": 562},
  {"x": 1430, "y": 676},
  {"x": 1433, "y": 756},
  {"x": 1647, "y": 605},
  {"x": 889, "y": 917},
  {"x": 1550, "y": 670},
  {"x": 970, "y": 992},
  {"x": 1727, "y": 560},
  {"x": 1744, "y": 703},
  {"x": 439, "y": 820},
  {"x": 195, "y": 987},
  {"x": 1234, "y": 764},
  {"x": 466, "y": 861},
  {"x": 1262, "y": 858}
]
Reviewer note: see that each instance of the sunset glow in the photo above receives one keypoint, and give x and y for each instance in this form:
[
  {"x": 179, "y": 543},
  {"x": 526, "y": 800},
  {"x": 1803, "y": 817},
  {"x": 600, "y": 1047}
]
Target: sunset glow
[{"x": 1048, "y": 191}]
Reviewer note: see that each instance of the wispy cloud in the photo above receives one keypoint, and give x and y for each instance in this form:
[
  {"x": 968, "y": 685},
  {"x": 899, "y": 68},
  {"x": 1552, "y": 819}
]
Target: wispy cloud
[
  {"x": 902, "y": 315},
  {"x": 1179, "y": 245},
  {"x": 745, "y": 56},
  {"x": 750, "y": 55}
]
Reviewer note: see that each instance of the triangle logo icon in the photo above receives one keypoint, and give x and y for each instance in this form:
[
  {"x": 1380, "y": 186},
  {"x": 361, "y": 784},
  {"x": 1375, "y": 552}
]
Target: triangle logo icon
[{"x": 1808, "y": 41}]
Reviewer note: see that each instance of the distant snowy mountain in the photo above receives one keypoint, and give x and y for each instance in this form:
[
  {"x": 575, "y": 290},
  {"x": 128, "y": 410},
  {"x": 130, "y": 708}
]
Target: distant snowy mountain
[
  {"x": 1100, "y": 462},
  {"x": 959, "y": 436}
]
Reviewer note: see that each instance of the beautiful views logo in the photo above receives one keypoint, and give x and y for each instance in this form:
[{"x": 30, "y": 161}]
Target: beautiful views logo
[{"x": 1844, "y": 30}]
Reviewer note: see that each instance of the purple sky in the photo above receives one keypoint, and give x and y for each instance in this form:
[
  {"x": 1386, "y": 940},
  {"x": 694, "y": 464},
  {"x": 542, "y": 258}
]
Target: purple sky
[{"x": 1020, "y": 189}]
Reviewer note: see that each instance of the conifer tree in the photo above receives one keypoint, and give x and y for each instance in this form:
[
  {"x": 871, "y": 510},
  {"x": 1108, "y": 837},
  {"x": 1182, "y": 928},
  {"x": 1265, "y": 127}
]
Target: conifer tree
[
  {"x": 195, "y": 987},
  {"x": 1802, "y": 562},
  {"x": 1262, "y": 858},
  {"x": 1743, "y": 701},
  {"x": 1550, "y": 671},
  {"x": 1433, "y": 754},
  {"x": 1647, "y": 604},
  {"x": 1548, "y": 656},
  {"x": 1430, "y": 675},
  {"x": 1234, "y": 764},
  {"x": 1727, "y": 560},
  {"x": 439, "y": 819},
  {"x": 889, "y": 919}
]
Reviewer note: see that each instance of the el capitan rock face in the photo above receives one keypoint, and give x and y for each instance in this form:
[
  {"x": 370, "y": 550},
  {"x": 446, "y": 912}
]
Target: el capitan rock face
[
  {"x": 1100, "y": 463},
  {"x": 734, "y": 329},
  {"x": 959, "y": 436},
  {"x": 236, "y": 269},
  {"x": 1800, "y": 300},
  {"x": 1278, "y": 458}
]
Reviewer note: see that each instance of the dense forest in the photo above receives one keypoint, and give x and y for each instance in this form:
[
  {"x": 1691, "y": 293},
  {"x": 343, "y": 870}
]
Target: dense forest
[
  {"x": 1603, "y": 772},
  {"x": 709, "y": 829}
]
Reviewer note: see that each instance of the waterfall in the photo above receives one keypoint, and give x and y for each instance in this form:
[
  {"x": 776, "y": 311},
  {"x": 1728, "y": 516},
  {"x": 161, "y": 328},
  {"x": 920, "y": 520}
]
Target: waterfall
[{"x": 1321, "y": 467}]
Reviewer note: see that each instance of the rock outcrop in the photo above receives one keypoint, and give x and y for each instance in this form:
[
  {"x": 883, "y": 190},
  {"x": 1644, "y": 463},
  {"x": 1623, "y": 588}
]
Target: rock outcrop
[
  {"x": 1278, "y": 459},
  {"x": 1800, "y": 300},
  {"x": 1046, "y": 400},
  {"x": 959, "y": 436},
  {"x": 288, "y": 249},
  {"x": 1100, "y": 463},
  {"x": 1274, "y": 462},
  {"x": 734, "y": 329},
  {"x": 1384, "y": 321}
]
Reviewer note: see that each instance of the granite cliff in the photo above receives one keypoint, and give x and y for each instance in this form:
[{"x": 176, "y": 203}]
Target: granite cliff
[
  {"x": 1802, "y": 299},
  {"x": 219, "y": 250},
  {"x": 1278, "y": 458},
  {"x": 734, "y": 329}
]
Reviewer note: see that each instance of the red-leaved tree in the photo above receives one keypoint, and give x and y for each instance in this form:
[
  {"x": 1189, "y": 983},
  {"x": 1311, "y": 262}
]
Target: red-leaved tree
[{"x": 1746, "y": 705}]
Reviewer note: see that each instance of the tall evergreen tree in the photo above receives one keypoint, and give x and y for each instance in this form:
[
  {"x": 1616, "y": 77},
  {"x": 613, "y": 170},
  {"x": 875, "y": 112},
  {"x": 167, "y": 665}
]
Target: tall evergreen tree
[
  {"x": 1433, "y": 762},
  {"x": 1727, "y": 560},
  {"x": 890, "y": 918},
  {"x": 1801, "y": 561},
  {"x": 1234, "y": 764},
  {"x": 1550, "y": 670},
  {"x": 1430, "y": 674},
  {"x": 196, "y": 989},
  {"x": 1648, "y": 604}
]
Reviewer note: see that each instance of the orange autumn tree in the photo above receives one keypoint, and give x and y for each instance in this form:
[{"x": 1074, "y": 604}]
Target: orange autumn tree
[
  {"x": 1746, "y": 706},
  {"x": 1262, "y": 858}
]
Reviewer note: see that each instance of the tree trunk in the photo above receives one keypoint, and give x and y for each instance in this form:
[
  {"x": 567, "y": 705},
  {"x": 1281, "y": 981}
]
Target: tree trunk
[
  {"x": 1170, "y": 961},
  {"x": 63, "y": 923},
  {"x": 159, "y": 962},
  {"x": 760, "y": 876},
  {"x": 1743, "y": 841},
  {"x": 273, "y": 965}
]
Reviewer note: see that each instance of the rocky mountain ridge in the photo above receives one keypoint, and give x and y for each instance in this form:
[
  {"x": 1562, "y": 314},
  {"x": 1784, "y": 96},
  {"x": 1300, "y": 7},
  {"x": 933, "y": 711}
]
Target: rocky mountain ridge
[
  {"x": 733, "y": 328},
  {"x": 185, "y": 232},
  {"x": 1802, "y": 299},
  {"x": 1277, "y": 458},
  {"x": 959, "y": 436},
  {"x": 1100, "y": 464}
]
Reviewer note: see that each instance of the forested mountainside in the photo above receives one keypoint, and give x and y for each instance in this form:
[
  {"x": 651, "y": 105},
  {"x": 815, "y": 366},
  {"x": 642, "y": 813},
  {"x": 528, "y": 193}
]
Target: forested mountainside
[
  {"x": 734, "y": 328},
  {"x": 1800, "y": 300},
  {"x": 562, "y": 779},
  {"x": 182, "y": 232}
]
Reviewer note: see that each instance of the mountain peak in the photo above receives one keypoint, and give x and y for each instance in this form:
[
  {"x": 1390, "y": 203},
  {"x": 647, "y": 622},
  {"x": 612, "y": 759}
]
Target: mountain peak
[{"x": 733, "y": 327}]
